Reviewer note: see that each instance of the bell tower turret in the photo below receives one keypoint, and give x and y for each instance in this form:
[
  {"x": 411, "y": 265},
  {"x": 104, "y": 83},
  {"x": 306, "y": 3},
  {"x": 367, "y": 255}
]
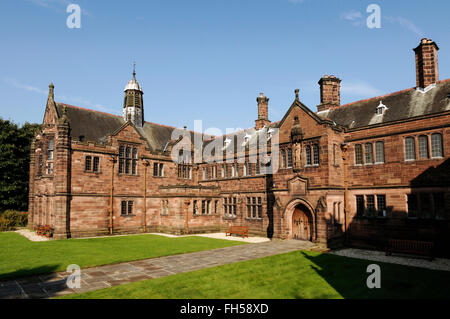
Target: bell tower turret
[{"x": 133, "y": 105}]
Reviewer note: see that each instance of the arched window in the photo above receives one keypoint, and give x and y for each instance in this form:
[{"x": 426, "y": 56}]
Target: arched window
[
  {"x": 410, "y": 149},
  {"x": 316, "y": 154},
  {"x": 308, "y": 156},
  {"x": 436, "y": 145},
  {"x": 423, "y": 146}
]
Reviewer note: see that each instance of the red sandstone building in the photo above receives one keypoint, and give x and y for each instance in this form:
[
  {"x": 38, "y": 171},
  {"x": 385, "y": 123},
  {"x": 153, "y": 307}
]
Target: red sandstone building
[{"x": 362, "y": 172}]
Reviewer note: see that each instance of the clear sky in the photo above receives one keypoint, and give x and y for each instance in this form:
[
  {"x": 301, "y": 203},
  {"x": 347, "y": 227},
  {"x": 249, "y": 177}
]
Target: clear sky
[{"x": 209, "y": 59}]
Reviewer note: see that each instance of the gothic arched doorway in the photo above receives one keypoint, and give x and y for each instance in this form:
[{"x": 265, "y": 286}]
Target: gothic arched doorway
[{"x": 301, "y": 224}]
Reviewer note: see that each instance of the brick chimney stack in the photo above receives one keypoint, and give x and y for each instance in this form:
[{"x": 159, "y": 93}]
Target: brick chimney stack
[
  {"x": 330, "y": 92},
  {"x": 263, "y": 112},
  {"x": 427, "y": 71}
]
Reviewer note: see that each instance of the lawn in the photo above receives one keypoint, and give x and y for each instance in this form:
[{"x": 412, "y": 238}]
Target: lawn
[
  {"x": 301, "y": 274},
  {"x": 21, "y": 257}
]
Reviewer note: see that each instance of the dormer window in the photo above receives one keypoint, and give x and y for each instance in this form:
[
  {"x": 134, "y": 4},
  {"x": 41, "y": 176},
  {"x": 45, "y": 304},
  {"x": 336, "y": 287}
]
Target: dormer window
[
  {"x": 270, "y": 133},
  {"x": 381, "y": 108},
  {"x": 226, "y": 143}
]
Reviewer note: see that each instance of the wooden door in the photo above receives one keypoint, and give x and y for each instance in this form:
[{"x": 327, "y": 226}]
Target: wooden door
[{"x": 301, "y": 226}]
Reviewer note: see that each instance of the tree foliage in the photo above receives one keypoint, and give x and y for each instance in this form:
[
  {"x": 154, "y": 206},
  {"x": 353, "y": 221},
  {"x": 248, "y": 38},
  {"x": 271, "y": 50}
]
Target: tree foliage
[{"x": 15, "y": 145}]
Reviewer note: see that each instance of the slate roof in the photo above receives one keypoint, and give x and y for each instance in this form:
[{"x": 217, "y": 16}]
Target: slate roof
[
  {"x": 97, "y": 126},
  {"x": 400, "y": 105}
]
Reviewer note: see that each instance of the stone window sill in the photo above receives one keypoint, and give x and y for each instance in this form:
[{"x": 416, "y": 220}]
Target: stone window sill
[
  {"x": 92, "y": 172},
  {"x": 371, "y": 217},
  {"x": 128, "y": 216}
]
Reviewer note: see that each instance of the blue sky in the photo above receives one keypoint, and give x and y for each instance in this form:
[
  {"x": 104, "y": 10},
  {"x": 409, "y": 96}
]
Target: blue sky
[{"x": 209, "y": 59}]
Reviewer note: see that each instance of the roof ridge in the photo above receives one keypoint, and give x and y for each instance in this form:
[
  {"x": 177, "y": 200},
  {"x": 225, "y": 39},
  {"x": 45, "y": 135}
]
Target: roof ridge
[
  {"x": 377, "y": 97},
  {"x": 386, "y": 95},
  {"x": 86, "y": 109},
  {"x": 242, "y": 130},
  {"x": 91, "y": 110}
]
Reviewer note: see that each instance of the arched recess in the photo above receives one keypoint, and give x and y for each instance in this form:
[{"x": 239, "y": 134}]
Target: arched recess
[{"x": 300, "y": 220}]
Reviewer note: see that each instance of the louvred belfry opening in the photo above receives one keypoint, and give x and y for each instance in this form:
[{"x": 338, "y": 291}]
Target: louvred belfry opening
[{"x": 133, "y": 105}]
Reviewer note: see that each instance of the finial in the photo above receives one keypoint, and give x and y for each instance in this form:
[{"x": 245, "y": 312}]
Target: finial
[
  {"x": 134, "y": 70},
  {"x": 297, "y": 91}
]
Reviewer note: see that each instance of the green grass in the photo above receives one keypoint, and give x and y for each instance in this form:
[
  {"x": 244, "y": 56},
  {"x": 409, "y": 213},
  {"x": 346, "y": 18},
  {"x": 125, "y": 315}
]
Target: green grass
[
  {"x": 21, "y": 257},
  {"x": 293, "y": 275}
]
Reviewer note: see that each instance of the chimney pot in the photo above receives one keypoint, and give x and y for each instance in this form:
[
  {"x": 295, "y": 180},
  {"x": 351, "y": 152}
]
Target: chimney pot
[{"x": 263, "y": 112}]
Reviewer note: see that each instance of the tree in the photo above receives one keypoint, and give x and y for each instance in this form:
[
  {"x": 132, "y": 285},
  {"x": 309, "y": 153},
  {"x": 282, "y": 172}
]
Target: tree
[{"x": 15, "y": 145}]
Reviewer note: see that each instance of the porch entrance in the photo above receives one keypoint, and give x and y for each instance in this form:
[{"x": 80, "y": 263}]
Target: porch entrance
[{"x": 301, "y": 224}]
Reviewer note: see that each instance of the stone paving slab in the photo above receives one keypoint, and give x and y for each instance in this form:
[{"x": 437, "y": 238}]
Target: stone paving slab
[
  {"x": 50, "y": 285},
  {"x": 436, "y": 264}
]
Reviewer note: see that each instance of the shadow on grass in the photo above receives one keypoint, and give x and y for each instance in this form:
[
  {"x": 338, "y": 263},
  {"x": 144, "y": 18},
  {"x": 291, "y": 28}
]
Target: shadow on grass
[
  {"x": 348, "y": 276},
  {"x": 28, "y": 272},
  {"x": 36, "y": 283}
]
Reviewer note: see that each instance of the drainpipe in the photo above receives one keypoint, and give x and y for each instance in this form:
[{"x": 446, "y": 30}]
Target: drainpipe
[
  {"x": 146, "y": 164},
  {"x": 111, "y": 203},
  {"x": 344, "y": 148}
]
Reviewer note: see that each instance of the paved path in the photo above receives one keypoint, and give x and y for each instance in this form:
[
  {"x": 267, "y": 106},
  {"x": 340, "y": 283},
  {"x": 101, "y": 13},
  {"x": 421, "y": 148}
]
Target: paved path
[
  {"x": 373, "y": 255},
  {"x": 46, "y": 286}
]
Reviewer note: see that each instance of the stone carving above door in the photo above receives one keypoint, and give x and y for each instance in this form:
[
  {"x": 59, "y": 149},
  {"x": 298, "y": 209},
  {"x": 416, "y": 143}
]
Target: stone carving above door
[{"x": 298, "y": 186}]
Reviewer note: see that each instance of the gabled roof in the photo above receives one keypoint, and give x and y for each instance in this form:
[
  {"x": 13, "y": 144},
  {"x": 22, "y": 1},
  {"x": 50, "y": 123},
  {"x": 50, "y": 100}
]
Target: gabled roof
[
  {"x": 297, "y": 103},
  {"x": 400, "y": 105}
]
